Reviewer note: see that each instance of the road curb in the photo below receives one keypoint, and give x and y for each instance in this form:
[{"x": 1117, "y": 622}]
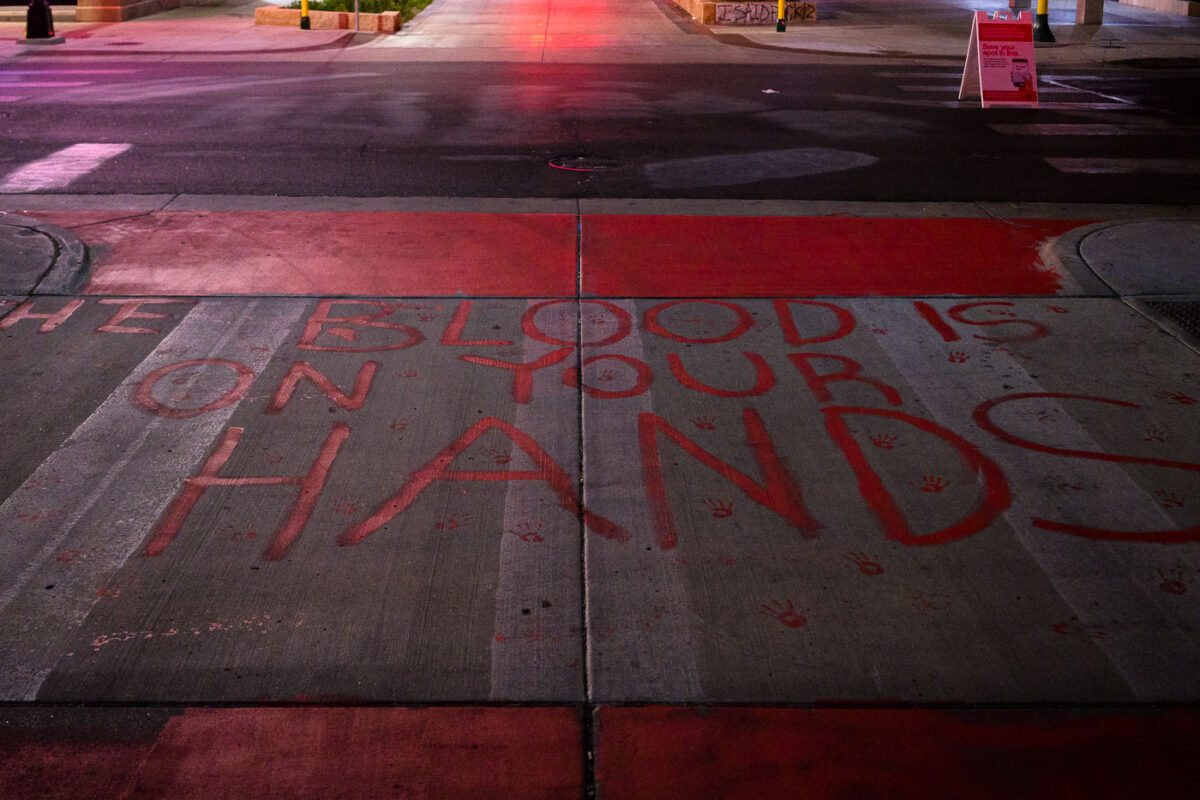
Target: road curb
[{"x": 69, "y": 264}]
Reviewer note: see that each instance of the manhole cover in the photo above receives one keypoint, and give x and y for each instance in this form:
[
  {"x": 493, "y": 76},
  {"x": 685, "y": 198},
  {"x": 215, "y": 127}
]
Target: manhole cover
[
  {"x": 584, "y": 163},
  {"x": 1185, "y": 314}
]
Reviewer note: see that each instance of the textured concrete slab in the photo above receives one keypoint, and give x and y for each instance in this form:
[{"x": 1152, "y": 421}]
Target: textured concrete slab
[
  {"x": 924, "y": 500},
  {"x": 293, "y": 499},
  {"x": 916, "y": 753},
  {"x": 319, "y": 752}
]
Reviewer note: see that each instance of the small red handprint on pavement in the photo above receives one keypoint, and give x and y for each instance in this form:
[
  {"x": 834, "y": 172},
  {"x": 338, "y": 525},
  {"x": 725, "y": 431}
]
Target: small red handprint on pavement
[
  {"x": 1174, "y": 581},
  {"x": 866, "y": 564},
  {"x": 784, "y": 612},
  {"x": 720, "y": 508},
  {"x": 527, "y": 532},
  {"x": 452, "y": 522},
  {"x": 934, "y": 484},
  {"x": 1176, "y": 398}
]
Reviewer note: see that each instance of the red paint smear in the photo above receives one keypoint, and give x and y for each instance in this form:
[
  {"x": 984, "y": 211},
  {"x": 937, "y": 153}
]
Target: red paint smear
[
  {"x": 402, "y": 254},
  {"x": 712, "y": 256},
  {"x": 534, "y": 255},
  {"x": 501, "y": 753},
  {"x": 757, "y": 753}
]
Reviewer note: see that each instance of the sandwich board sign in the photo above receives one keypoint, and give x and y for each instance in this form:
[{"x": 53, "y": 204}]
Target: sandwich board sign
[{"x": 1000, "y": 68}]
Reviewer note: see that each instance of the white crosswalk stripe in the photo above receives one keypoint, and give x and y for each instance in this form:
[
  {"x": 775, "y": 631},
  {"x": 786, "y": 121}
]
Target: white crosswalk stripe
[
  {"x": 40, "y": 84},
  {"x": 58, "y": 170},
  {"x": 1091, "y": 129},
  {"x": 940, "y": 87},
  {"x": 1112, "y": 166}
]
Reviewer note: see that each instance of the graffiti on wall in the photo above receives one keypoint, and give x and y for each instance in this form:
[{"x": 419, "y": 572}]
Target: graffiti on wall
[{"x": 764, "y": 13}]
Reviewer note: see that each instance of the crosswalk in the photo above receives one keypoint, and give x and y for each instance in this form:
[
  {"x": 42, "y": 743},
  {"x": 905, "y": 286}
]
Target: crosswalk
[
  {"x": 61, "y": 168},
  {"x": 1074, "y": 96},
  {"x": 31, "y": 82},
  {"x": 1066, "y": 110}
]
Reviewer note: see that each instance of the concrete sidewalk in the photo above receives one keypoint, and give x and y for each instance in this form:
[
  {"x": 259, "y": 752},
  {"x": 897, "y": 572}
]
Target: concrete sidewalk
[
  {"x": 895, "y": 29},
  {"x": 596, "y": 498},
  {"x": 224, "y": 30},
  {"x": 536, "y": 520}
]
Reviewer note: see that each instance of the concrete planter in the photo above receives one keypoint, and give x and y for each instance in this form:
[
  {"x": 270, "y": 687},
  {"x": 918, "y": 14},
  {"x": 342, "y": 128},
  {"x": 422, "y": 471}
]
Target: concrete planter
[
  {"x": 120, "y": 10},
  {"x": 387, "y": 22}
]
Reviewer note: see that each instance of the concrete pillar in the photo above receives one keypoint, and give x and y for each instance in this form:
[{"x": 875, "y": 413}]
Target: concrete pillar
[{"x": 1089, "y": 12}]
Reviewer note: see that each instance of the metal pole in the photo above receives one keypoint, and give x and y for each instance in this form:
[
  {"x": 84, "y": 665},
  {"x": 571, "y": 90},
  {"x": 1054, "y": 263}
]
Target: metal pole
[
  {"x": 781, "y": 24},
  {"x": 1041, "y": 23},
  {"x": 305, "y": 22},
  {"x": 356, "y": 16}
]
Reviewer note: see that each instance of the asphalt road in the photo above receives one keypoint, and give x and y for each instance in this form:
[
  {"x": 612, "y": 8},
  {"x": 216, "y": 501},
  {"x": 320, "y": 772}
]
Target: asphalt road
[{"x": 880, "y": 131}]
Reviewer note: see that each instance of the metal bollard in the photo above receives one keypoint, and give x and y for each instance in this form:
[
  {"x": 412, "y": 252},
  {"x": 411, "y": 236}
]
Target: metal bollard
[
  {"x": 39, "y": 22},
  {"x": 1041, "y": 23}
]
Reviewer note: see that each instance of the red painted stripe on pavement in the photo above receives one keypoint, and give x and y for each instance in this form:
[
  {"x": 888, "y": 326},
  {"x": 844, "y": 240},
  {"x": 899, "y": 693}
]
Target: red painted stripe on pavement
[
  {"x": 711, "y": 256},
  {"x": 300, "y": 752},
  {"x": 396, "y": 254},
  {"x": 757, "y": 753}
]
